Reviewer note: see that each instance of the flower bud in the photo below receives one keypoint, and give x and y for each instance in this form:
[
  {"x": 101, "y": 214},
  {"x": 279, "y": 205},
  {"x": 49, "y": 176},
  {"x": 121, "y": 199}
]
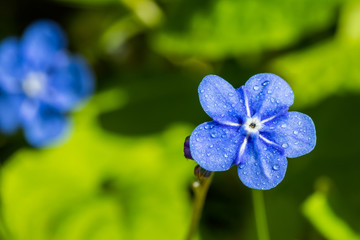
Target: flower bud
[
  {"x": 201, "y": 173},
  {"x": 187, "y": 152}
]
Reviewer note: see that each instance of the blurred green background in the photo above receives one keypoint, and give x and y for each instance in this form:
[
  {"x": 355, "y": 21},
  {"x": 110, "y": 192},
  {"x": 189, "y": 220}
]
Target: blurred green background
[{"x": 122, "y": 174}]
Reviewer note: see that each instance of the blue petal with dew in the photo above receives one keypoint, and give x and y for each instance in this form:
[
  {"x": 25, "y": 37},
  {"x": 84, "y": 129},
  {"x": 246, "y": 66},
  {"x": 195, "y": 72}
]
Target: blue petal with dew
[
  {"x": 214, "y": 146},
  {"x": 294, "y": 131},
  {"x": 220, "y": 100},
  {"x": 262, "y": 166},
  {"x": 268, "y": 95}
]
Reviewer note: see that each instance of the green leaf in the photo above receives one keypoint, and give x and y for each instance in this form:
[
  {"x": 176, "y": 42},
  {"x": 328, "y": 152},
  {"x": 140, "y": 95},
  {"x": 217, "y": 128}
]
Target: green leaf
[
  {"x": 99, "y": 185},
  {"x": 219, "y": 29},
  {"x": 317, "y": 210},
  {"x": 328, "y": 68}
]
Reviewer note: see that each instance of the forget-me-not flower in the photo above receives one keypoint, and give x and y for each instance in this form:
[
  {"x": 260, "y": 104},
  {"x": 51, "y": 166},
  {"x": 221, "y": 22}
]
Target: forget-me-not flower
[
  {"x": 40, "y": 82},
  {"x": 251, "y": 128}
]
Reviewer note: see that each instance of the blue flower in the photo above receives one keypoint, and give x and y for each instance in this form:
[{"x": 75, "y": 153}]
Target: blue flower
[
  {"x": 251, "y": 128},
  {"x": 40, "y": 82}
]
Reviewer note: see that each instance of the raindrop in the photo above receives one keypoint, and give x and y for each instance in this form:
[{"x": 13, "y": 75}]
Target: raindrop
[
  {"x": 208, "y": 154},
  {"x": 299, "y": 122},
  {"x": 198, "y": 139},
  {"x": 211, "y": 146},
  {"x": 283, "y": 126},
  {"x": 269, "y": 91},
  {"x": 265, "y": 83},
  {"x": 213, "y": 135},
  {"x": 284, "y": 145},
  {"x": 276, "y": 167},
  {"x": 231, "y": 94},
  {"x": 202, "y": 91},
  {"x": 225, "y": 155},
  {"x": 272, "y": 100},
  {"x": 296, "y": 132},
  {"x": 256, "y": 88},
  {"x": 242, "y": 165},
  {"x": 207, "y": 127}
]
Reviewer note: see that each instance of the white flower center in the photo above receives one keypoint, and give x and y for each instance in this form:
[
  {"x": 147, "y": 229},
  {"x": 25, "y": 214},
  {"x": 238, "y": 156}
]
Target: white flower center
[
  {"x": 253, "y": 125},
  {"x": 34, "y": 83}
]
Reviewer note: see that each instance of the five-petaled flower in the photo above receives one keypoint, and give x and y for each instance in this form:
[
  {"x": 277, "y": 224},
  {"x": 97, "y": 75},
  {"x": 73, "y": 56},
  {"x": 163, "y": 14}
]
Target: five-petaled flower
[
  {"x": 251, "y": 128},
  {"x": 40, "y": 82}
]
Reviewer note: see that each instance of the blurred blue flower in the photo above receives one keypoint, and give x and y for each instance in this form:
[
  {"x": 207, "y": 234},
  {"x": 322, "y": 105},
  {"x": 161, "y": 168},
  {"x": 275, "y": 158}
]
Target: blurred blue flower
[
  {"x": 40, "y": 82},
  {"x": 251, "y": 128}
]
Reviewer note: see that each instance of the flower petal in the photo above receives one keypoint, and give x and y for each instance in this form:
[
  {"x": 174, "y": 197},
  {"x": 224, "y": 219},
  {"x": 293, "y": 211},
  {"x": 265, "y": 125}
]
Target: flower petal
[
  {"x": 70, "y": 85},
  {"x": 294, "y": 131},
  {"x": 268, "y": 95},
  {"x": 42, "y": 44},
  {"x": 9, "y": 113},
  {"x": 9, "y": 65},
  {"x": 47, "y": 127},
  {"x": 221, "y": 101},
  {"x": 214, "y": 147},
  {"x": 262, "y": 166}
]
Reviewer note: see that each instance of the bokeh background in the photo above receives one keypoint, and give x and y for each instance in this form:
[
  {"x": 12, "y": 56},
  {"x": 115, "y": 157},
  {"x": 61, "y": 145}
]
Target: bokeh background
[{"x": 122, "y": 174}]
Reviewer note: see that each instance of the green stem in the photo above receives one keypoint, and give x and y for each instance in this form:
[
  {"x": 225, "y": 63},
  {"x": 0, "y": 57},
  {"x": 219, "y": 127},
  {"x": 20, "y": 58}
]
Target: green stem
[
  {"x": 260, "y": 215},
  {"x": 200, "y": 191}
]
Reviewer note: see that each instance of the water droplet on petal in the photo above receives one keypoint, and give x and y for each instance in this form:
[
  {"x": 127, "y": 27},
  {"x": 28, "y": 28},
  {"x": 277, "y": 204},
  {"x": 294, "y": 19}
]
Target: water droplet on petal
[
  {"x": 276, "y": 167},
  {"x": 283, "y": 126},
  {"x": 242, "y": 165},
  {"x": 213, "y": 135},
  {"x": 284, "y": 145},
  {"x": 231, "y": 94},
  {"x": 265, "y": 83},
  {"x": 225, "y": 155},
  {"x": 211, "y": 146},
  {"x": 296, "y": 132},
  {"x": 202, "y": 91},
  {"x": 256, "y": 88},
  {"x": 208, "y": 154},
  {"x": 269, "y": 91},
  {"x": 198, "y": 139}
]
